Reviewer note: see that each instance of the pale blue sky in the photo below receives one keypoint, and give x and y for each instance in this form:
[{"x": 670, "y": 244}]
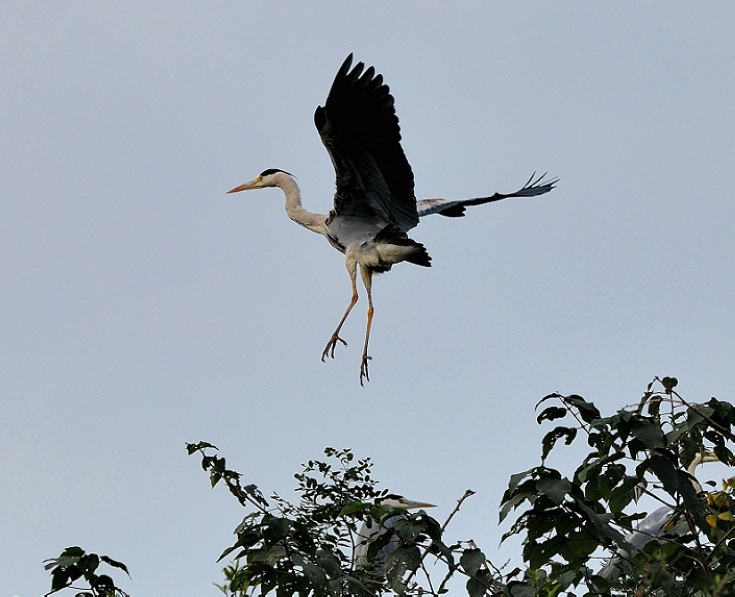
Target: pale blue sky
[{"x": 142, "y": 308}]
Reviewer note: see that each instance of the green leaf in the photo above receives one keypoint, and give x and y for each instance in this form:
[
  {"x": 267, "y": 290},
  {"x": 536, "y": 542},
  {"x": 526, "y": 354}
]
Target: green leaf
[
  {"x": 652, "y": 436},
  {"x": 61, "y": 578},
  {"x": 89, "y": 563},
  {"x": 548, "y": 397},
  {"x": 353, "y": 506},
  {"x": 553, "y": 436},
  {"x": 554, "y": 489},
  {"x": 472, "y": 560},
  {"x": 103, "y": 584},
  {"x": 541, "y": 552},
  {"x": 511, "y": 499},
  {"x": 691, "y": 500},
  {"x": 516, "y": 479},
  {"x": 329, "y": 562},
  {"x": 275, "y": 553},
  {"x": 116, "y": 564},
  {"x": 398, "y": 563},
  {"x": 666, "y": 472},
  {"x": 578, "y": 547},
  {"x": 355, "y": 587},
  {"x": 654, "y": 406},
  {"x": 280, "y": 527},
  {"x": 601, "y": 524},
  {"x": 478, "y": 585},
  {"x": 315, "y": 574},
  {"x": 587, "y": 410},
  {"x": 71, "y": 555},
  {"x": 245, "y": 539},
  {"x": 551, "y": 414},
  {"x": 623, "y": 494},
  {"x": 669, "y": 383},
  {"x": 191, "y": 448}
]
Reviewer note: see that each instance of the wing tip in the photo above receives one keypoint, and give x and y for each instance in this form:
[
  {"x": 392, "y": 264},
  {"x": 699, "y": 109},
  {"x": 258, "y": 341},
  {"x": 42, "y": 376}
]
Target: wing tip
[{"x": 346, "y": 64}]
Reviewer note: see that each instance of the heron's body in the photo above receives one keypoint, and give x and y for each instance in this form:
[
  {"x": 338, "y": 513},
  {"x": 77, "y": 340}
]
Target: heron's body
[
  {"x": 374, "y": 204},
  {"x": 653, "y": 527},
  {"x": 374, "y": 530}
]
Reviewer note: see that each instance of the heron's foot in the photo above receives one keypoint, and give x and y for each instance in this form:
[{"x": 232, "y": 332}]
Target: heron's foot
[
  {"x": 329, "y": 350},
  {"x": 364, "y": 369}
]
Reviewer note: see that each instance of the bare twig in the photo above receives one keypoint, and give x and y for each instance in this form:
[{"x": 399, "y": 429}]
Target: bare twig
[{"x": 467, "y": 493}]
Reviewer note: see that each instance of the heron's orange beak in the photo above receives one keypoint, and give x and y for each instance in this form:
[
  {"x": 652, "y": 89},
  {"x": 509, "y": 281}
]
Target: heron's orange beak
[{"x": 253, "y": 184}]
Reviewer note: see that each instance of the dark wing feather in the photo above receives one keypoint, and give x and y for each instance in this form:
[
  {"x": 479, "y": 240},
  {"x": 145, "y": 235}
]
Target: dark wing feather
[
  {"x": 359, "y": 128},
  {"x": 456, "y": 208}
]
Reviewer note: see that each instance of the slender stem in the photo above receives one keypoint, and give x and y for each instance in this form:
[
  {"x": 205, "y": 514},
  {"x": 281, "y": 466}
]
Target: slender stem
[{"x": 467, "y": 493}]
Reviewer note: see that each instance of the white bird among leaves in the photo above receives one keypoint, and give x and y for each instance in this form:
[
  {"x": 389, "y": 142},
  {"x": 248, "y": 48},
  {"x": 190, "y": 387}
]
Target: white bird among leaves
[
  {"x": 655, "y": 526},
  {"x": 372, "y": 530},
  {"x": 374, "y": 204}
]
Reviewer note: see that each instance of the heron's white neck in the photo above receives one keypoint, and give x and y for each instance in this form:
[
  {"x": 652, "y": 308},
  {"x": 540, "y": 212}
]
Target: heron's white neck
[
  {"x": 700, "y": 458},
  {"x": 692, "y": 468},
  {"x": 294, "y": 209}
]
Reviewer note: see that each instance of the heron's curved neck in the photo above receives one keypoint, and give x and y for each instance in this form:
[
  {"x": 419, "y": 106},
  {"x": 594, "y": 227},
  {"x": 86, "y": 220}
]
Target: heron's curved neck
[
  {"x": 295, "y": 210},
  {"x": 696, "y": 461}
]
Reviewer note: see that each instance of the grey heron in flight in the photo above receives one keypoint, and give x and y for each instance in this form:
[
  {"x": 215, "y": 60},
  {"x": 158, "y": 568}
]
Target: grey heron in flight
[
  {"x": 372, "y": 530},
  {"x": 374, "y": 203},
  {"x": 654, "y": 526}
]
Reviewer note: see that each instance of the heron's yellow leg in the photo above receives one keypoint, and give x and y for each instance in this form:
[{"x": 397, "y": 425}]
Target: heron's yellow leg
[
  {"x": 367, "y": 278},
  {"x": 329, "y": 349}
]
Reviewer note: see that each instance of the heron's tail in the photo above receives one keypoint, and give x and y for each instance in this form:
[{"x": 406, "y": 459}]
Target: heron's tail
[
  {"x": 394, "y": 246},
  {"x": 406, "y": 249},
  {"x": 419, "y": 256}
]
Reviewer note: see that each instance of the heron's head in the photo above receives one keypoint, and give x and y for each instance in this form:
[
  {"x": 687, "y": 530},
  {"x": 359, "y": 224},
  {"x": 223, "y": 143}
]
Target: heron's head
[
  {"x": 398, "y": 501},
  {"x": 268, "y": 178},
  {"x": 701, "y": 458}
]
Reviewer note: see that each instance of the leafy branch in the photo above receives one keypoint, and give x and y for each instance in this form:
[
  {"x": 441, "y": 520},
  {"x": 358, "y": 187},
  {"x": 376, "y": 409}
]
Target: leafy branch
[
  {"x": 74, "y": 564},
  {"x": 341, "y": 540},
  {"x": 640, "y": 449}
]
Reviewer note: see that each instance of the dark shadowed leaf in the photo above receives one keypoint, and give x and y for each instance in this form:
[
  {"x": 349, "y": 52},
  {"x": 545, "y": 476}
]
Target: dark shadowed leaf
[
  {"x": 471, "y": 560},
  {"x": 669, "y": 383},
  {"x": 516, "y": 479},
  {"x": 279, "y": 527},
  {"x": 666, "y": 472},
  {"x": 478, "y": 585},
  {"x": 587, "y": 410},
  {"x": 554, "y": 489},
  {"x": 550, "y": 439},
  {"x": 353, "y": 507},
  {"x": 548, "y": 397},
  {"x": 552, "y": 413},
  {"x": 115, "y": 563},
  {"x": 398, "y": 563},
  {"x": 329, "y": 562},
  {"x": 651, "y": 435}
]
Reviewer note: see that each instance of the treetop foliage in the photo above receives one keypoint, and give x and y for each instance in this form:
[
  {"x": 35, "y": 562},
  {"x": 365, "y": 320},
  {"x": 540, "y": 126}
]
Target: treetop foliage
[
  {"x": 582, "y": 533},
  {"x": 644, "y": 449}
]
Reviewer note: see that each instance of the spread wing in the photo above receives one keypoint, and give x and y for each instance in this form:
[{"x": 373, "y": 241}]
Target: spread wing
[
  {"x": 456, "y": 208},
  {"x": 359, "y": 127}
]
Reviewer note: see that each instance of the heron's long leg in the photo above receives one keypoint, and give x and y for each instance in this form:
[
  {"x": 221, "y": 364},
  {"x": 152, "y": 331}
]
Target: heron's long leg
[
  {"x": 367, "y": 278},
  {"x": 352, "y": 270}
]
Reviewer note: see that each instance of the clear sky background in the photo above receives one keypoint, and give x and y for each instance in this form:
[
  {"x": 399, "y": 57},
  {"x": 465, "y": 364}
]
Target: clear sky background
[{"x": 141, "y": 307}]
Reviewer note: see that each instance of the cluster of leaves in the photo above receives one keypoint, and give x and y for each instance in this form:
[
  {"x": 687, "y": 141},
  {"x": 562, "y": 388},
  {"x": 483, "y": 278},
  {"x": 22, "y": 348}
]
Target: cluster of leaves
[
  {"x": 319, "y": 546},
  {"x": 74, "y": 564},
  {"x": 645, "y": 448},
  {"x": 310, "y": 548}
]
